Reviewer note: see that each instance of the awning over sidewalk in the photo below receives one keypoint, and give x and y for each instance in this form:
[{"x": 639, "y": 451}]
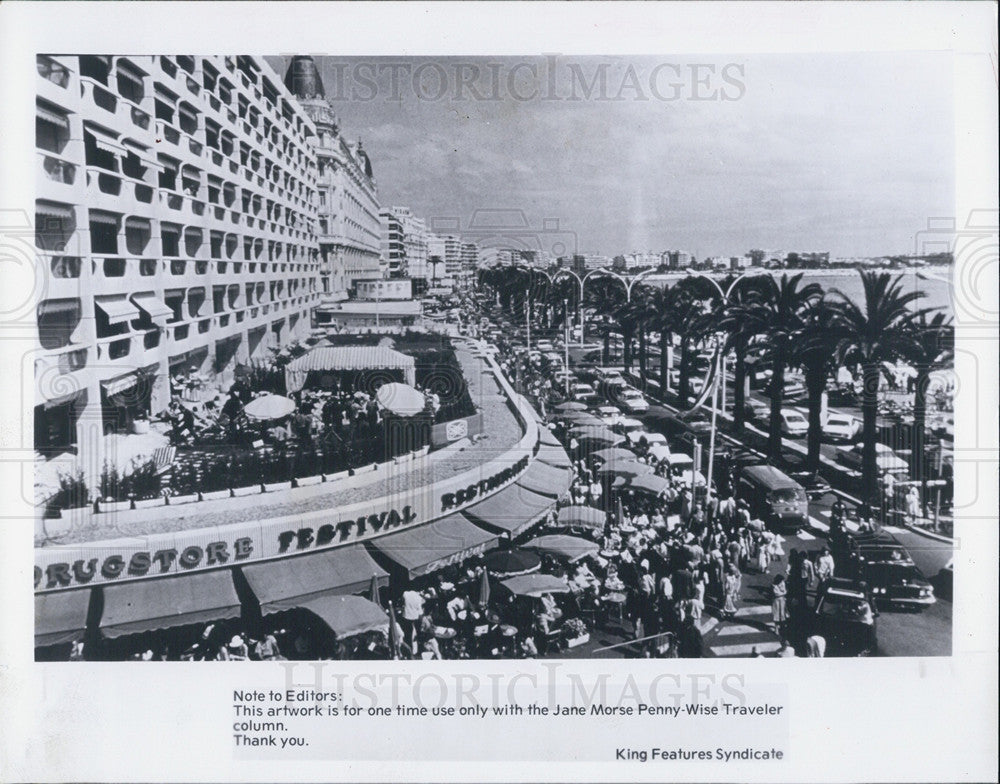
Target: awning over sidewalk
[
  {"x": 554, "y": 456},
  {"x": 513, "y": 510},
  {"x": 546, "y": 479},
  {"x": 147, "y": 605},
  {"x": 348, "y": 615},
  {"x": 426, "y": 548},
  {"x": 60, "y": 617},
  {"x": 302, "y": 579}
]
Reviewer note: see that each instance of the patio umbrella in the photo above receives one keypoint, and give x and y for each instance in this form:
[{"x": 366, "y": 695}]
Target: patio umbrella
[
  {"x": 567, "y": 548},
  {"x": 580, "y": 516},
  {"x": 582, "y": 419},
  {"x": 612, "y": 454},
  {"x": 571, "y": 405},
  {"x": 268, "y": 407},
  {"x": 650, "y": 483},
  {"x": 484, "y": 589},
  {"x": 535, "y": 585},
  {"x": 660, "y": 451},
  {"x": 596, "y": 438},
  {"x": 401, "y": 399},
  {"x": 626, "y": 468},
  {"x": 509, "y": 563}
]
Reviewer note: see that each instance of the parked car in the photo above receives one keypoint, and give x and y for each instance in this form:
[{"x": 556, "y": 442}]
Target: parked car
[
  {"x": 756, "y": 411},
  {"x": 845, "y": 618},
  {"x": 840, "y": 427},
  {"x": 633, "y": 401},
  {"x": 793, "y": 423},
  {"x": 585, "y": 393},
  {"x": 888, "y": 461}
]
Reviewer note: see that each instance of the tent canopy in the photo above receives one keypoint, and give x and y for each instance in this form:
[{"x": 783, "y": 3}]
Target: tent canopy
[
  {"x": 535, "y": 585},
  {"x": 421, "y": 549},
  {"x": 348, "y": 615},
  {"x": 512, "y": 510},
  {"x": 568, "y": 548},
  {"x": 60, "y": 617},
  {"x": 354, "y": 358},
  {"x": 147, "y": 605},
  {"x": 291, "y": 582}
]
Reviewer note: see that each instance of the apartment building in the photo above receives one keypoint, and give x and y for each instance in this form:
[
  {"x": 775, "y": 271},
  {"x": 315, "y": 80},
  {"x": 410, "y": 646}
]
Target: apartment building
[
  {"x": 404, "y": 243},
  {"x": 175, "y": 217},
  {"x": 349, "y": 226}
]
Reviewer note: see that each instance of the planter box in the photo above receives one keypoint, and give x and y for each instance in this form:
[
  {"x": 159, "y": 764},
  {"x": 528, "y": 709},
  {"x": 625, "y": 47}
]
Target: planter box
[
  {"x": 249, "y": 490},
  {"x": 583, "y": 639},
  {"x": 148, "y": 503},
  {"x": 276, "y": 487},
  {"x": 104, "y": 507},
  {"x": 177, "y": 500},
  {"x": 307, "y": 481}
]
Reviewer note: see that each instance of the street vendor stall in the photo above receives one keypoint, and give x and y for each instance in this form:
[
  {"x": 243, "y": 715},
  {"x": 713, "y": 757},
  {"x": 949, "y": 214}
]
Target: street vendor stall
[{"x": 331, "y": 359}]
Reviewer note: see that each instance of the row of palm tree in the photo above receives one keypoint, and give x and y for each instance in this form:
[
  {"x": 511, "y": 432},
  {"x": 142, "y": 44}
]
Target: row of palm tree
[{"x": 781, "y": 322}]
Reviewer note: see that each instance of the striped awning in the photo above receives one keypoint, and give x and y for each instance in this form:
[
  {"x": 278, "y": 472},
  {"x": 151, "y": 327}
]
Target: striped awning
[
  {"x": 117, "y": 308},
  {"x": 58, "y": 211},
  {"x": 426, "y": 548},
  {"x": 53, "y": 117},
  {"x": 135, "y": 79},
  {"x": 103, "y": 218},
  {"x": 104, "y": 140}
]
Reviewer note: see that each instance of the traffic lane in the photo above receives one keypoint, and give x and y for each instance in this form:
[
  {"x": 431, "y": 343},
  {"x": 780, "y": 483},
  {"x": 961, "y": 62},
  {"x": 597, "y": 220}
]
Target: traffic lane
[
  {"x": 930, "y": 555},
  {"x": 915, "y": 633}
]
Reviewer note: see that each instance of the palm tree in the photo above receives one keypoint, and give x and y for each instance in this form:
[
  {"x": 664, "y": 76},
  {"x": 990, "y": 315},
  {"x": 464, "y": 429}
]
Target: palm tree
[
  {"x": 606, "y": 295},
  {"x": 738, "y": 340},
  {"x": 872, "y": 334},
  {"x": 691, "y": 295},
  {"x": 933, "y": 348},
  {"x": 774, "y": 311},
  {"x": 664, "y": 304},
  {"x": 815, "y": 354},
  {"x": 643, "y": 310}
]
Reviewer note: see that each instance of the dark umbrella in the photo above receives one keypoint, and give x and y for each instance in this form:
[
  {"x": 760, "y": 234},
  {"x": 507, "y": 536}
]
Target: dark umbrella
[{"x": 509, "y": 563}]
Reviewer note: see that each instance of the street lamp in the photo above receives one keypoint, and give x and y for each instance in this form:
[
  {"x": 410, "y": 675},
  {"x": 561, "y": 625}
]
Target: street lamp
[{"x": 579, "y": 303}]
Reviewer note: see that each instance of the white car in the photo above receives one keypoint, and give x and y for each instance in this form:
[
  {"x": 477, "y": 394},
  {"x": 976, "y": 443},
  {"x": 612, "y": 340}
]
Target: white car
[
  {"x": 840, "y": 427},
  {"x": 610, "y": 415},
  {"x": 583, "y": 392},
  {"x": 793, "y": 423},
  {"x": 633, "y": 401},
  {"x": 888, "y": 461},
  {"x": 626, "y": 425},
  {"x": 545, "y": 345},
  {"x": 651, "y": 438}
]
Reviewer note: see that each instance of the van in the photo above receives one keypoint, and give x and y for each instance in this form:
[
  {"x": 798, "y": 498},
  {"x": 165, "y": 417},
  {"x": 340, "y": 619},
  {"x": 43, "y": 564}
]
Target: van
[{"x": 774, "y": 497}]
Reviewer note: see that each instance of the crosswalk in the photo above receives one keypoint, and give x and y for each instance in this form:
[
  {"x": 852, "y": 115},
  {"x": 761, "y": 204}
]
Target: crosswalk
[
  {"x": 746, "y": 633},
  {"x": 822, "y": 523}
]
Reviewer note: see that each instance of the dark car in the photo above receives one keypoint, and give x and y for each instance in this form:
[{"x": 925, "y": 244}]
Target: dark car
[
  {"x": 814, "y": 484},
  {"x": 845, "y": 618},
  {"x": 882, "y": 562}
]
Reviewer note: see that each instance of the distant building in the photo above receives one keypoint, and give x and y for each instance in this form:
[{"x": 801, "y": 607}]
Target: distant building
[
  {"x": 348, "y": 224},
  {"x": 676, "y": 259},
  {"x": 404, "y": 243},
  {"x": 393, "y": 289}
]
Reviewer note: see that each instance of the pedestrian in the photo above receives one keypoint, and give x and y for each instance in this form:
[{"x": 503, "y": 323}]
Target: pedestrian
[
  {"x": 779, "y": 610},
  {"x": 731, "y": 591},
  {"x": 815, "y": 647},
  {"x": 913, "y": 504}
]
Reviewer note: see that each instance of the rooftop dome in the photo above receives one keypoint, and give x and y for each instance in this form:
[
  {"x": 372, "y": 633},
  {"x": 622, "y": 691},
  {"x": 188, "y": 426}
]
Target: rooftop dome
[{"x": 302, "y": 78}]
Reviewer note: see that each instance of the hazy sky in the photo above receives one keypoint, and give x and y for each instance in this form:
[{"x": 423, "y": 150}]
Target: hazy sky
[{"x": 846, "y": 153}]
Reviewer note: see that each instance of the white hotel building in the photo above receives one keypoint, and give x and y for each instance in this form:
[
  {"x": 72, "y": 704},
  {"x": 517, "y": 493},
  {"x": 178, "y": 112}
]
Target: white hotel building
[{"x": 176, "y": 212}]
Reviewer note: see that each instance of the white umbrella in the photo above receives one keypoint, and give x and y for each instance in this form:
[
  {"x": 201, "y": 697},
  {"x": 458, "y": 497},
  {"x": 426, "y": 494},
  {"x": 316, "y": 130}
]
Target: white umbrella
[
  {"x": 268, "y": 407},
  {"x": 401, "y": 399}
]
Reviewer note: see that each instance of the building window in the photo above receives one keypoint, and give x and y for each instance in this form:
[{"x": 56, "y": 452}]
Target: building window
[
  {"x": 57, "y": 320},
  {"x": 130, "y": 83},
  {"x": 103, "y": 232}
]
